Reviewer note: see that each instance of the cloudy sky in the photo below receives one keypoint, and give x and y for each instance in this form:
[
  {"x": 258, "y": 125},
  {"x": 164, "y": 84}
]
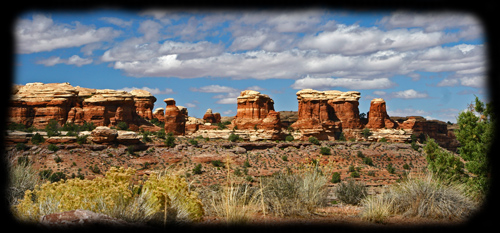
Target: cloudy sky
[{"x": 429, "y": 64}]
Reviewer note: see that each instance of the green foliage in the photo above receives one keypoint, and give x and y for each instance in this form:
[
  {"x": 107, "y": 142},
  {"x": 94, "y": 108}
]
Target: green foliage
[
  {"x": 217, "y": 163},
  {"x": 355, "y": 174},
  {"x": 233, "y": 137},
  {"x": 23, "y": 161},
  {"x": 383, "y": 140},
  {"x": 366, "y": 133},
  {"x": 131, "y": 149},
  {"x": 145, "y": 137},
  {"x": 391, "y": 169},
  {"x": 19, "y": 127},
  {"x": 368, "y": 161},
  {"x": 53, "y": 147},
  {"x": 360, "y": 154},
  {"x": 335, "y": 178},
  {"x": 342, "y": 136},
  {"x": 21, "y": 146},
  {"x": 82, "y": 139},
  {"x": 351, "y": 192},
  {"x": 58, "y": 159},
  {"x": 122, "y": 125},
  {"x": 197, "y": 169},
  {"x": 52, "y": 128},
  {"x": 161, "y": 134},
  {"x": 443, "y": 164},
  {"x": 193, "y": 142},
  {"x": 351, "y": 168},
  {"x": 313, "y": 140},
  {"x": 289, "y": 138},
  {"x": 406, "y": 166},
  {"x": 475, "y": 135},
  {"x": 284, "y": 158},
  {"x": 170, "y": 140},
  {"x": 223, "y": 125},
  {"x": 325, "y": 151}
]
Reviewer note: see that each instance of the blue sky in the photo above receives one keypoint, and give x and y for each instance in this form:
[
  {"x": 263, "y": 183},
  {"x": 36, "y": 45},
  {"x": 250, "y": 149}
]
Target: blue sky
[{"x": 428, "y": 64}]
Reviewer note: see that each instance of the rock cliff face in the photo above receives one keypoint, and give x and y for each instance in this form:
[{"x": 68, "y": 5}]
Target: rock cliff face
[
  {"x": 435, "y": 129},
  {"x": 253, "y": 110},
  {"x": 210, "y": 117},
  {"x": 175, "y": 118},
  {"x": 324, "y": 114},
  {"x": 377, "y": 116},
  {"x": 35, "y": 104}
]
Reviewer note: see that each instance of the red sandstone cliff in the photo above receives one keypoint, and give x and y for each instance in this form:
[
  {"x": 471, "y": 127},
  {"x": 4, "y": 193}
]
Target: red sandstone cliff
[
  {"x": 35, "y": 104},
  {"x": 256, "y": 111},
  {"x": 377, "y": 116},
  {"x": 210, "y": 117},
  {"x": 175, "y": 118}
]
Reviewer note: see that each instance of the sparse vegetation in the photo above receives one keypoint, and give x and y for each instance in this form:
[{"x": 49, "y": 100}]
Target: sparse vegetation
[
  {"x": 325, "y": 151},
  {"x": 233, "y": 137},
  {"x": 351, "y": 192},
  {"x": 313, "y": 140}
]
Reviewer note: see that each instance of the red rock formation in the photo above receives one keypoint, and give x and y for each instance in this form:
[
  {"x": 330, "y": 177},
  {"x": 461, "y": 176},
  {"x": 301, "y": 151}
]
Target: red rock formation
[
  {"x": 377, "y": 116},
  {"x": 210, "y": 117},
  {"x": 159, "y": 114},
  {"x": 144, "y": 103},
  {"x": 35, "y": 104},
  {"x": 324, "y": 114},
  {"x": 253, "y": 110},
  {"x": 435, "y": 129},
  {"x": 175, "y": 118}
]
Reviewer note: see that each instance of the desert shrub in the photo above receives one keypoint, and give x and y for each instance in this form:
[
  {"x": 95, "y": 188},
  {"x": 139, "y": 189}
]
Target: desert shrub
[
  {"x": 82, "y": 139},
  {"x": 341, "y": 136},
  {"x": 288, "y": 194},
  {"x": 366, "y": 133},
  {"x": 122, "y": 125},
  {"x": 37, "y": 139},
  {"x": 161, "y": 134},
  {"x": 351, "y": 192},
  {"x": 131, "y": 149},
  {"x": 145, "y": 137},
  {"x": 351, "y": 168},
  {"x": 355, "y": 174},
  {"x": 23, "y": 161},
  {"x": 193, "y": 142},
  {"x": 443, "y": 164},
  {"x": 197, "y": 169},
  {"x": 21, "y": 146},
  {"x": 335, "y": 178},
  {"x": 170, "y": 140},
  {"x": 233, "y": 137},
  {"x": 58, "y": 159},
  {"x": 391, "y": 169},
  {"x": 115, "y": 195},
  {"x": 217, "y": 163},
  {"x": 360, "y": 154},
  {"x": 22, "y": 177},
  {"x": 406, "y": 166},
  {"x": 313, "y": 140},
  {"x": 325, "y": 151},
  {"x": 428, "y": 197},
  {"x": 383, "y": 140},
  {"x": 284, "y": 158},
  {"x": 52, "y": 128},
  {"x": 53, "y": 147},
  {"x": 368, "y": 161},
  {"x": 289, "y": 138}
]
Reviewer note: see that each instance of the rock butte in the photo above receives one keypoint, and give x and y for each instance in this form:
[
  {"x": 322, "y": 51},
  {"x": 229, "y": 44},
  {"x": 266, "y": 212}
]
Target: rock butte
[{"x": 323, "y": 114}]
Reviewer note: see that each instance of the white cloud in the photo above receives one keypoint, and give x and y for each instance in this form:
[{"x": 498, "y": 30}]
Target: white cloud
[
  {"x": 407, "y": 112},
  {"x": 42, "y": 34},
  {"x": 73, "y": 60},
  {"x": 228, "y": 112},
  {"x": 355, "y": 84},
  {"x": 409, "y": 94},
  {"x": 214, "y": 89},
  {"x": 229, "y": 98},
  {"x": 117, "y": 21},
  {"x": 255, "y": 88},
  {"x": 153, "y": 91}
]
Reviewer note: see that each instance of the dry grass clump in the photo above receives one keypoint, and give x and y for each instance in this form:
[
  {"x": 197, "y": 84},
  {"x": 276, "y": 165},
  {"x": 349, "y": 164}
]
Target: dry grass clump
[
  {"x": 428, "y": 198},
  {"x": 22, "y": 177},
  {"x": 289, "y": 194},
  {"x": 351, "y": 192},
  {"x": 114, "y": 195}
]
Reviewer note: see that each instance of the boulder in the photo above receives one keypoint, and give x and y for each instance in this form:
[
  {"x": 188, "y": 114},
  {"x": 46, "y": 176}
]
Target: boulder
[
  {"x": 80, "y": 218},
  {"x": 210, "y": 117},
  {"x": 103, "y": 134}
]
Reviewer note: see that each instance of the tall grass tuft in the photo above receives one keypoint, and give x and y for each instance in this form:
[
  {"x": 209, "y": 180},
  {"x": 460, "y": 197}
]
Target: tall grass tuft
[
  {"x": 289, "y": 194},
  {"x": 428, "y": 197},
  {"x": 22, "y": 177}
]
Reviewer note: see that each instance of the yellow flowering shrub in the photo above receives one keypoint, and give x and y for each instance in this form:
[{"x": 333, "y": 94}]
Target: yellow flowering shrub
[
  {"x": 114, "y": 195},
  {"x": 171, "y": 193}
]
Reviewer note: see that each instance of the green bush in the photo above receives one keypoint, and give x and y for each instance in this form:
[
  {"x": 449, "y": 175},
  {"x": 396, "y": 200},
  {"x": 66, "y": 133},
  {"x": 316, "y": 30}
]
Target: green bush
[
  {"x": 197, "y": 169},
  {"x": 284, "y": 158},
  {"x": 21, "y": 146},
  {"x": 335, "y": 177},
  {"x": 390, "y": 168},
  {"x": 233, "y": 137},
  {"x": 313, "y": 140},
  {"x": 355, "y": 174},
  {"x": 193, "y": 142},
  {"x": 52, "y": 128},
  {"x": 170, "y": 140},
  {"x": 53, "y": 147},
  {"x": 82, "y": 139},
  {"x": 368, "y": 161},
  {"x": 360, "y": 154},
  {"x": 366, "y": 133},
  {"x": 58, "y": 159},
  {"x": 37, "y": 139},
  {"x": 351, "y": 192},
  {"x": 325, "y": 151},
  {"x": 217, "y": 163},
  {"x": 289, "y": 138},
  {"x": 161, "y": 134},
  {"x": 122, "y": 125}
]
